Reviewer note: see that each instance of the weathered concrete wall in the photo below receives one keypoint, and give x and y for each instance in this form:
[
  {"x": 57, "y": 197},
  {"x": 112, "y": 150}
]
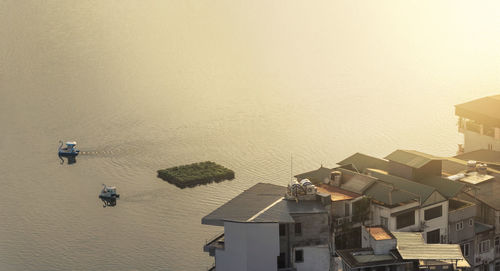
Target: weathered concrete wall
[
  {"x": 466, "y": 217},
  {"x": 248, "y": 247},
  {"x": 316, "y": 258},
  {"x": 315, "y": 230}
]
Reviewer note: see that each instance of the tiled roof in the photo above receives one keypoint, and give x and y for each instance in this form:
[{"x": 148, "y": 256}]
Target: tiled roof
[{"x": 445, "y": 187}]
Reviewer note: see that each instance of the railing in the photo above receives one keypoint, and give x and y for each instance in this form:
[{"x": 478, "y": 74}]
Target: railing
[
  {"x": 342, "y": 220},
  {"x": 472, "y": 126}
]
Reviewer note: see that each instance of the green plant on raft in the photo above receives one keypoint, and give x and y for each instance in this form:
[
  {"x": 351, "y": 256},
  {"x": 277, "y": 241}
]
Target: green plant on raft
[{"x": 195, "y": 174}]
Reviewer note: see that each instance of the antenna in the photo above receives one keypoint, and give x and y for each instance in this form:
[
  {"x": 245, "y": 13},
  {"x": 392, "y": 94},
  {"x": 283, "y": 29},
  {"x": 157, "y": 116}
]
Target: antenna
[{"x": 291, "y": 168}]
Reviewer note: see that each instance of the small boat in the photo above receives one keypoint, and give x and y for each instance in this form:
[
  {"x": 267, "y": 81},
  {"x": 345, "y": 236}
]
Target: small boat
[
  {"x": 69, "y": 150},
  {"x": 108, "y": 192}
]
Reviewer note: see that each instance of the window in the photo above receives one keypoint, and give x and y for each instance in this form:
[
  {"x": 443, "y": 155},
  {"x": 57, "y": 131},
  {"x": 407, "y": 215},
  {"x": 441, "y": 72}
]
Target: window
[
  {"x": 405, "y": 220},
  {"x": 484, "y": 246},
  {"x": 433, "y": 212},
  {"x": 433, "y": 237},
  {"x": 346, "y": 209},
  {"x": 282, "y": 230},
  {"x": 459, "y": 226},
  {"x": 497, "y": 266},
  {"x": 465, "y": 249},
  {"x": 471, "y": 222},
  {"x": 298, "y": 229},
  {"x": 497, "y": 244},
  {"x": 299, "y": 255},
  {"x": 384, "y": 221}
]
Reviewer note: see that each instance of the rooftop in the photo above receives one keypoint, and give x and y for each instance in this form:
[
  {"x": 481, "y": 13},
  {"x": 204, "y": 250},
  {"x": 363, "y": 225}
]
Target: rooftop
[
  {"x": 363, "y": 257},
  {"x": 246, "y": 204},
  {"x": 316, "y": 176},
  {"x": 411, "y": 187},
  {"x": 337, "y": 194},
  {"x": 481, "y": 227},
  {"x": 379, "y": 233},
  {"x": 262, "y": 203},
  {"x": 485, "y": 110},
  {"x": 411, "y": 158},
  {"x": 411, "y": 246},
  {"x": 363, "y": 161},
  {"x": 476, "y": 178},
  {"x": 355, "y": 182},
  {"x": 445, "y": 187}
]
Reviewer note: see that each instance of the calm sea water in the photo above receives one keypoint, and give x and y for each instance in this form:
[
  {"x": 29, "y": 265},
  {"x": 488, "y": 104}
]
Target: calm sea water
[{"x": 144, "y": 85}]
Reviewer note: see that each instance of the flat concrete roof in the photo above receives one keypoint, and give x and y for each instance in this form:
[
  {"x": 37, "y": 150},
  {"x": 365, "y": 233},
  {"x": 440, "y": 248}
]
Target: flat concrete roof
[{"x": 337, "y": 194}]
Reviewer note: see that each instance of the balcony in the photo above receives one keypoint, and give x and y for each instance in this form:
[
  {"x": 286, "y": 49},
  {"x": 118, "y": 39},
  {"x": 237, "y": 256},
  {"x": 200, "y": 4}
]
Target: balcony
[{"x": 216, "y": 242}]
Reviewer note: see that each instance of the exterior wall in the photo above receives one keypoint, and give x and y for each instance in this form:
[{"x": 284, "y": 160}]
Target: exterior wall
[
  {"x": 315, "y": 230},
  {"x": 440, "y": 223},
  {"x": 421, "y": 224},
  {"x": 485, "y": 257},
  {"x": 400, "y": 170},
  {"x": 338, "y": 208},
  {"x": 248, "y": 246},
  {"x": 464, "y": 215},
  {"x": 316, "y": 258},
  {"x": 432, "y": 168},
  {"x": 474, "y": 141}
]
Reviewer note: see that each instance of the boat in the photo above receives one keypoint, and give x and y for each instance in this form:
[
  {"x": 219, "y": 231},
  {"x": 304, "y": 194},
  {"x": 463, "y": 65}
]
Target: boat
[
  {"x": 108, "y": 192},
  {"x": 69, "y": 150}
]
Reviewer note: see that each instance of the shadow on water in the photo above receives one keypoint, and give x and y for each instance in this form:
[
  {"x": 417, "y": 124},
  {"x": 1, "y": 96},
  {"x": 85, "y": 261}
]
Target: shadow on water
[
  {"x": 108, "y": 202},
  {"x": 71, "y": 159}
]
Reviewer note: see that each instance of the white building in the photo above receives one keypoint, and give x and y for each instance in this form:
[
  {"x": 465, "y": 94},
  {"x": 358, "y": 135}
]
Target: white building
[
  {"x": 479, "y": 121},
  {"x": 265, "y": 231}
]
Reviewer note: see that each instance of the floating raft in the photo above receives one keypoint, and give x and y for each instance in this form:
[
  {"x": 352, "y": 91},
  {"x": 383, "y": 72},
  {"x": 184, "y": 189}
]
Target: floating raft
[{"x": 196, "y": 174}]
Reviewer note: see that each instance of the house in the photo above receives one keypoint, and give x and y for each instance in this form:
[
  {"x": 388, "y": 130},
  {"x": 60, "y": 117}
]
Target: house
[
  {"x": 378, "y": 253},
  {"x": 483, "y": 188},
  {"x": 400, "y": 251},
  {"x": 269, "y": 227},
  {"x": 479, "y": 121},
  {"x": 411, "y": 246}
]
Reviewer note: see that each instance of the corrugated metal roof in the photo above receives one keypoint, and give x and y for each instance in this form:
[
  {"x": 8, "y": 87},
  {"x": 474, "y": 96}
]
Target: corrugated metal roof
[
  {"x": 424, "y": 191},
  {"x": 445, "y": 187},
  {"x": 363, "y": 161},
  {"x": 355, "y": 182},
  {"x": 411, "y": 246},
  {"x": 411, "y": 158},
  {"x": 382, "y": 193}
]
